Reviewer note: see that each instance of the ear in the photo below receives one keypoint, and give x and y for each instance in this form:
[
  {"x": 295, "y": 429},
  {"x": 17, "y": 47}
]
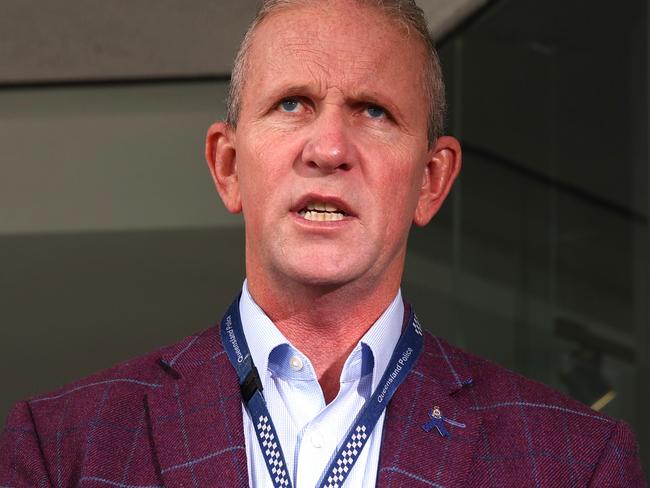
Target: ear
[
  {"x": 439, "y": 175},
  {"x": 221, "y": 157}
]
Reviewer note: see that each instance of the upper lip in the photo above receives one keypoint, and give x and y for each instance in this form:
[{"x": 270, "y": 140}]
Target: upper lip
[{"x": 339, "y": 203}]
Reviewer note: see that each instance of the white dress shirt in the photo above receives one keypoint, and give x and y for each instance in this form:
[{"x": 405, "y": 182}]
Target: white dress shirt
[{"x": 310, "y": 431}]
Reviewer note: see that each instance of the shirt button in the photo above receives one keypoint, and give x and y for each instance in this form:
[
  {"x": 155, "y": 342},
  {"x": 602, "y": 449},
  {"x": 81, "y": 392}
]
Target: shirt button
[
  {"x": 317, "y": 440},
  {"x": 295, "y": 363}
]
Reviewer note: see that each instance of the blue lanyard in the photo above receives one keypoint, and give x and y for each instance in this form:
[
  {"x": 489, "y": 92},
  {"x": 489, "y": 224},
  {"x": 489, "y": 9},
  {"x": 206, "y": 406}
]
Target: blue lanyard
[{"x": 404, "y": 356}]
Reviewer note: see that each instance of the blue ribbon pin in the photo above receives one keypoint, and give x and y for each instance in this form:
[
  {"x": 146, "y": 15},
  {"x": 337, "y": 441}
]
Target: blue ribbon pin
[{"x": 438, "y": 421}]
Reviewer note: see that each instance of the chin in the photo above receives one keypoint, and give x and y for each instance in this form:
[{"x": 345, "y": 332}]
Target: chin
[
  {"x": 320, "y": 279},
  {"x": 321, "y": 274}
]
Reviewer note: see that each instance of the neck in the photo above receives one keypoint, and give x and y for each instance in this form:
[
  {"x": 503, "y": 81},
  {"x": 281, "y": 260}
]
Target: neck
[{"x": 324, "y": 323}]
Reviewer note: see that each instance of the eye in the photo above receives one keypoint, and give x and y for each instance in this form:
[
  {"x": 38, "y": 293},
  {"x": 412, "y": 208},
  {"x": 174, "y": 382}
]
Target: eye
[
  {"x": 290, "y": 105},
  {"x": 376, "y": 112}
]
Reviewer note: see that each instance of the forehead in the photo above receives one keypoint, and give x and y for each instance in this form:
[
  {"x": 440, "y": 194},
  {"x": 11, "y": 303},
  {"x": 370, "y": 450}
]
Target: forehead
[{"x": 336, "y": 44}]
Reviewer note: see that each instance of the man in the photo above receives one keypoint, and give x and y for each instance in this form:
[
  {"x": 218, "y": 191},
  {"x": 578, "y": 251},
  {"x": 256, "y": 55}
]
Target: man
[{"x": 331, "y": 150}]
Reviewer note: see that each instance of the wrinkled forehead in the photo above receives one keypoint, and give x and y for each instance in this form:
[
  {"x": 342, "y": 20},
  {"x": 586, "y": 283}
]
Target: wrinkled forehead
[{"x": 347, "y": 45}]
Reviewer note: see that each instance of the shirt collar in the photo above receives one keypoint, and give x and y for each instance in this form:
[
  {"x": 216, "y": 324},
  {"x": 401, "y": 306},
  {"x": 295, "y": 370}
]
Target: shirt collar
[
  {"x": 263, "y": 336},
  {"x": 382, "y": 337}
]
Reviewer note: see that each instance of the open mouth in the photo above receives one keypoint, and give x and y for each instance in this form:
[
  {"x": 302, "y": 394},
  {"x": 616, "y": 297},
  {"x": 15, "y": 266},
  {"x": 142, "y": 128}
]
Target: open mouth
[{"x": 321, "y": 212}]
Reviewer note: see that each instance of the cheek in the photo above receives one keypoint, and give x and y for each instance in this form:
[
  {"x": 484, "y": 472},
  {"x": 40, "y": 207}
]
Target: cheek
[
  {"x": 399, "y": 178},
  {"x": 398, "y": 196},
  {"x": 392, "y": 214},
  {"x": 260, "y": 169}
]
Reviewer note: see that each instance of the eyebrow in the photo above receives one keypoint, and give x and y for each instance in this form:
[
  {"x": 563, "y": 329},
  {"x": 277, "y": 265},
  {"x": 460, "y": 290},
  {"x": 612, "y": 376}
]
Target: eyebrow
[
  {"x": 290, "y": 90},
  {"x": 374, "y": 98},
  {"x": 362, "y": 95}
]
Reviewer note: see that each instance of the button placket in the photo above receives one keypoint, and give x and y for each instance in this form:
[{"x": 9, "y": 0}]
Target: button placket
[
  {"x": 315, "y": 451},
  {"x": 316, "y": 439}
]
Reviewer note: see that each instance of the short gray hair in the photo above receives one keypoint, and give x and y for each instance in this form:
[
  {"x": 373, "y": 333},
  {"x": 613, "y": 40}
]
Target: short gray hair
[{"x": 406, "y": 12}]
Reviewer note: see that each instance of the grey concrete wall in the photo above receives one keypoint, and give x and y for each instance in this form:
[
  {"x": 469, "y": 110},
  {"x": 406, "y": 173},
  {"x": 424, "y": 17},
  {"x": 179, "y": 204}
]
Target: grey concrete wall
[
  {"x": 101, "y": 158},
  {"x": 113, "y": 39}
]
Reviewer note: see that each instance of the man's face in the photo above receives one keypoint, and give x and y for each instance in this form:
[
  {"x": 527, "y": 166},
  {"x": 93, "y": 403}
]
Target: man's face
[{"x": 331, "y": 145}]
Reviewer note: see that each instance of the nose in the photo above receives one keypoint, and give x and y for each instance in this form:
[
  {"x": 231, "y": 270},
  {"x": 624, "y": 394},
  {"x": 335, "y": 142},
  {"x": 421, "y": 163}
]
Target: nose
[{"x": 328, "y": 147}]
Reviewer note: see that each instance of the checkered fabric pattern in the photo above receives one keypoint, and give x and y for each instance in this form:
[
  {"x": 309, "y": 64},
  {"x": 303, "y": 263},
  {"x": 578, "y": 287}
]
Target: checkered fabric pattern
[
  {"x": 347, "y": 457},
  {"x": 271, "y": 451},
  {"x": 173, "y": 419},
  {"x": 417, "y": 326}
]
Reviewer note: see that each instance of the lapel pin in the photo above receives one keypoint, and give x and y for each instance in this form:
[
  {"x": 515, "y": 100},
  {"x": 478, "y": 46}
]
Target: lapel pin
[{"x": 437, "y": 421}]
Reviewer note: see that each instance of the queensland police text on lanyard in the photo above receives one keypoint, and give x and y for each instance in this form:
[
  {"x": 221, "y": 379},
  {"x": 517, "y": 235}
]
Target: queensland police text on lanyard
[{"x": 404, "y": 356}]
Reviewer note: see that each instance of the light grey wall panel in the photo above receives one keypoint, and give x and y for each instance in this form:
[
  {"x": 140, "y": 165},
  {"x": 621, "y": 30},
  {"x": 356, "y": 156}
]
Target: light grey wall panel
[
  {"x": 108, "y": 158},
  {"x": 87, "y": 39},
  {"x": 113, "y": 39}
]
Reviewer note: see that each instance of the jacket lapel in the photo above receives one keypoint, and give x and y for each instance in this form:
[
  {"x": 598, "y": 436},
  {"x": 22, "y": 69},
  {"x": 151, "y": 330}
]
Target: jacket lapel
[
  {"x": 439, "y": 378},
  {"x": 196, "y": 419},
  {"x": 197, "y": 428}
]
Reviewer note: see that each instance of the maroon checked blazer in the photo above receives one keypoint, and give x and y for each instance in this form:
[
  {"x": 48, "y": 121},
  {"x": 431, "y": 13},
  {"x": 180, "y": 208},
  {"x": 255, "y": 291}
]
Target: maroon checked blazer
[{"x": 173, "y": 418}]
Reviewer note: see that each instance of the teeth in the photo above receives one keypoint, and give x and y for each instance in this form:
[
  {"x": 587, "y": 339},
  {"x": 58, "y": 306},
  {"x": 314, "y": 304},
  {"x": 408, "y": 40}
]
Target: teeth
[
  {"x": 321, "y": 216},
  {"x": 321, "y": 212},
  {"x": 322, "y": 206}
]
